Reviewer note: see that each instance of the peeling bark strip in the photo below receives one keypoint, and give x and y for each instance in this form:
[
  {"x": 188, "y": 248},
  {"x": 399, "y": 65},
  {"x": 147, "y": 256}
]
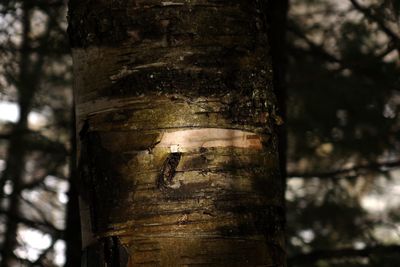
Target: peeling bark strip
[
  {"x": 178, "y": 153},
  {"x": 189, "y": 139}
]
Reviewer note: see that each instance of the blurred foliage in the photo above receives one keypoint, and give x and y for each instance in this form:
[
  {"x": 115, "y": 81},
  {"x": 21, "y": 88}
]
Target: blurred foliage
[
  {"x": 343, "y": 113},
  {"x": 35, "y": 77}
]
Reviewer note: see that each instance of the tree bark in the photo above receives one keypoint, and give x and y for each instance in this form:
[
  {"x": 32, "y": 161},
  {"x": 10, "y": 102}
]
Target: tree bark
[
  {"x": 177, "y": 125},
  {"x": 73, "y": 226}
]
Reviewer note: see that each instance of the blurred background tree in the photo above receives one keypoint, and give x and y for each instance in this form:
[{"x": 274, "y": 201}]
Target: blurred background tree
[
  {"x": 36, "y": 104},
  {"x": 343, "y": 196}
]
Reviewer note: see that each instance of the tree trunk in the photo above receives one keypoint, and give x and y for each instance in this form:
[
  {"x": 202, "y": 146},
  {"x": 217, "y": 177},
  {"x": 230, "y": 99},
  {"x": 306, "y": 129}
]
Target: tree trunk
[
  {"x": 16, "y": 151},
  {"x": 176, "y": 117},
  {"x": 73, "y": 226}
]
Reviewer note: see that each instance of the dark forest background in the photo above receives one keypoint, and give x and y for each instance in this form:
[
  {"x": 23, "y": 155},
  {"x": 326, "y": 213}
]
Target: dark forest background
[{"x": 338, "y": 75}]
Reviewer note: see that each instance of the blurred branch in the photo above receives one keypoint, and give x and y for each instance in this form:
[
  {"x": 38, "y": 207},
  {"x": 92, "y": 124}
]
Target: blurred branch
[
  {"x": 5, "y": 136},
  {"x": 41, "y": 214},
  {"x": 40, "y": 181},
  {"x": 50, "y": 4},
  {"x": 43, "y": 255},
  {"x": 369, "y": 14},
  {"x": 318, "y": 49},
  {"x": 313, "y": 257},
  {"x": 35, "y": 141},
  {"x": 387, "y": 51},
  {"x": 42, "y": 226},
  {"x": 375, "y": 166},
  {"x": 39, "y": 261}
]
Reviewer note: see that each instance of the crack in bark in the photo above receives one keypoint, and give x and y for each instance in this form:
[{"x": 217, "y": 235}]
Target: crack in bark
[{"x": 115, "y": 254}]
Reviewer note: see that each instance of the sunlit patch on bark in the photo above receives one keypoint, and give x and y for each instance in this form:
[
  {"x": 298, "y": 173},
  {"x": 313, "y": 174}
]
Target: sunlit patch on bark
[{"x": 210, "y": 137}]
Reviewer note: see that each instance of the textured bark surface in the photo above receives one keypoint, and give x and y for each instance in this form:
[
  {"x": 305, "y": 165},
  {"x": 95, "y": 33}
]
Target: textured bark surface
[{"x": 176, "y": 118}]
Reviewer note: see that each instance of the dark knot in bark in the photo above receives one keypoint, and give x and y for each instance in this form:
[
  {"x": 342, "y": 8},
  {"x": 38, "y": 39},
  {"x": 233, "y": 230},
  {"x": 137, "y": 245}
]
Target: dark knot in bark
[{"x": 168, "y": 170}]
